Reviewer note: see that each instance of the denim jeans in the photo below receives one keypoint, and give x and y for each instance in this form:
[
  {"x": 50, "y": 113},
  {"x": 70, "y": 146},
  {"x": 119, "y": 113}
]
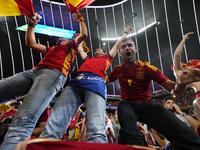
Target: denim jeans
[
  {"x": 67, "y": 106},
  {"x": 162, "y": 120},
  {"x": 40, "y": 85}
]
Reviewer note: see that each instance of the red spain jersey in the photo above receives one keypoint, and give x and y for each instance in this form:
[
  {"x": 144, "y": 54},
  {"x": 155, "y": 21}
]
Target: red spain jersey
[
  {"x": 193, "y": 64},
  {"x": 135, "y": 82},
  {"x": 97, "y": 65},
  {"x": 59, "y": 57}
]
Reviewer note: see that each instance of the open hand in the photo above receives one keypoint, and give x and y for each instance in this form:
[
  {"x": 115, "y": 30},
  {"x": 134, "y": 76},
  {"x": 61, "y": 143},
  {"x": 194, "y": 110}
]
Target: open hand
[{"x": 129, "y": 29}]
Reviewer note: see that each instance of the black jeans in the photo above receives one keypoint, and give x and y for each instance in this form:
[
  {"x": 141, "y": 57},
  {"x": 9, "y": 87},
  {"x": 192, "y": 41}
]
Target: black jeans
[{"x": 162, "y": 120}]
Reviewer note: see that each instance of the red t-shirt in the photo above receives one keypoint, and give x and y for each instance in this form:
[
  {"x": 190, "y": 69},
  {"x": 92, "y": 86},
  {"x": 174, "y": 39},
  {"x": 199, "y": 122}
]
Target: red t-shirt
[
  {"x": 135, "y": 82},
  {"x": 59, "y": 57},
  {"x": 97, "y": 65}
]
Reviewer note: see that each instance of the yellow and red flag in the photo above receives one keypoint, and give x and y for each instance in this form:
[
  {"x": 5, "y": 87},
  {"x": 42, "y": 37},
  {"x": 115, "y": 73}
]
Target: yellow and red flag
[
  {"x": 16, "y": 8},
  {"x": 85, "y": 48},
  {"x": 77, "y": 4}
]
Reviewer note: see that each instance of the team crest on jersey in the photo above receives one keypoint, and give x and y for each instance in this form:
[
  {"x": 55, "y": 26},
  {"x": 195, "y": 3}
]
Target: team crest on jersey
[{"x": 140, "y": 74}]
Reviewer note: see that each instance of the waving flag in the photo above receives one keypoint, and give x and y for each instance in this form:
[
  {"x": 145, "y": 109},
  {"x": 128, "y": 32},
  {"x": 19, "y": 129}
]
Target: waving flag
[
  {"x": 16, "y": 8},
  {"x": 77, "y": 4}
]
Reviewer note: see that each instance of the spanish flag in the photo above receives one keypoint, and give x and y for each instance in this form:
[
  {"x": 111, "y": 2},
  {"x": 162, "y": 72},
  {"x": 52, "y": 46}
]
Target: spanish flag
[
  {"x": 85, "y": 48},
  {"x": 16, "y": 8},
  {"x": 77, "y": 4}
]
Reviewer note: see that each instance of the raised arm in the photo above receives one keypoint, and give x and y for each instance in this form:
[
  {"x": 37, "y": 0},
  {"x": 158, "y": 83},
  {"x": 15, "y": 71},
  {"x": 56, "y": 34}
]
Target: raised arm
[
  {"x": 83, "y": 29},
  {"x": 177, "y": 55},
  {"x": 81, "y": 52},
  {"x": 30, "y": 36},
  {"x": 114, "y": 49}
]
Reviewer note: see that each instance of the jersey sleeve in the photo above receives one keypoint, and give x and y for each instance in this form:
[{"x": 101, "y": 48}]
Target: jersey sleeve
[
  {"x": 159, "y": 77},
  {"x": 73, "y": 45},
  {"x": 49, "y": 49},
  {"x": 113, "y": 76}
]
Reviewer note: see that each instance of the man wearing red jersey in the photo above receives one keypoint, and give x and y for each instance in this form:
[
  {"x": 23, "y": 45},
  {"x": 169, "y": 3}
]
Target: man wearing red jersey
[
  {"x": 135, "y": 77},
  {"x": 40, "y": 83},
  {"x": 88, "y": 86}
]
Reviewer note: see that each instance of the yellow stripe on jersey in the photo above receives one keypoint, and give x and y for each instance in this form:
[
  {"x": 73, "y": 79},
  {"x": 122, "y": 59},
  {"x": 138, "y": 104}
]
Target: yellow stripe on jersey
[
  {"x": 147, "y": 64},
  {"x": 66, "y": 62},
  {"x": 107, "y": 65}
]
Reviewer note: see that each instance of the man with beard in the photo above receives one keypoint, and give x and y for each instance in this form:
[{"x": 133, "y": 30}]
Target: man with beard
[
  {"x": 135, "y": 78},
  {"x": 170, "y": 104}
]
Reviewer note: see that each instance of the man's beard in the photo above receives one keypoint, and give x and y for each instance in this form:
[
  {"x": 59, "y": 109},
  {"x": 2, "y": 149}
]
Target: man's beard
[{"x": 172, "y": 110}]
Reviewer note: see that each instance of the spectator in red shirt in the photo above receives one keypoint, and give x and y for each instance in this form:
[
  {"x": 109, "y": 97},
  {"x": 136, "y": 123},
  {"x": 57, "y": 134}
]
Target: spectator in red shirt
[{"x": 135, "y": 78}]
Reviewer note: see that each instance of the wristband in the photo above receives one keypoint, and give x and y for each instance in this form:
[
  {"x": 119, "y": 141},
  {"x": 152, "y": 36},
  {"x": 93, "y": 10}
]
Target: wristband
[
  {"x": 80, "y": 18},
  {"x": 31, "y": 24},
  {"x": 183, "y": 114},
  {"x": 126, "y": 32}
]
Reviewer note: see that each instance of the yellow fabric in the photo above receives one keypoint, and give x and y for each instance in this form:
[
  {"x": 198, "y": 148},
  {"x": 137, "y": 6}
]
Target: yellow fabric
[
  {"x": 85, "y": 48},
  {"x": 9, "y": 8},
  {"x": 197, "y": 129},
  {"x": 3, "y": 107},
  {"x": 73, "y": 2},
  {"x": 164, "y": 141},
  {"x": 77, "y": 133}
]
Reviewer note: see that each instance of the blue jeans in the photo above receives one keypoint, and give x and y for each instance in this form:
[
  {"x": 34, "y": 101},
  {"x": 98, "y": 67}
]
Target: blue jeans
[
  {"x": 41, "y": 84},
  {"x": 67, "y": 106},
  {"x": 162, "y": 120}
]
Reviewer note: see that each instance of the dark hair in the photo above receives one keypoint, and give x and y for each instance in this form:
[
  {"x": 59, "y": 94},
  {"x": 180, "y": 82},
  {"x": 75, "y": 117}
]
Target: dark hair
[
  {"x": 172, "y": 97},
  {"x": 127, "y": 39}
]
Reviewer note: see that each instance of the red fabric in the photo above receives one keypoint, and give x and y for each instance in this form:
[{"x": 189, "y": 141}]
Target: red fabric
[
  {"x": 96, "y": 67},
  {"x": 25, "y": 7},
  {"x": 135, "y": 82},
  {"x": 198, "y": 95},
  {"x": 10, "y": 113},
  {"x": 44, "y": 117},
  {"x": 63, "y": 138},
  {"x": 72, "y": 123},
  {"x": 73, "y": 145},
  {"x": 193, "y": 64},
  {"x": 59, "y": 57},
  {"x": 81, "y": 5}
]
